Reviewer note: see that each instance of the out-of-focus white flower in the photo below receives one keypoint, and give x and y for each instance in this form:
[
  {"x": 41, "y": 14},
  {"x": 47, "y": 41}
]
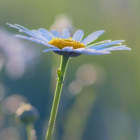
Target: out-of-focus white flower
[
  {"x": 12, "y": 103},
  {"x": 63, "y": 21},
  {"x": 16, "y": 55},
  {"x": 86, "y": 74},
  {"x": 9, "y": 133},
  {"x": 89, "y": 74},
  {"x": 75, "y": 87}
]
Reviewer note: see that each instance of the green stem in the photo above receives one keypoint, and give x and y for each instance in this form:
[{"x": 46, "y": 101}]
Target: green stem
[
  {"x": 59, "y": 85},
  {"x": 29, "y": 128}
]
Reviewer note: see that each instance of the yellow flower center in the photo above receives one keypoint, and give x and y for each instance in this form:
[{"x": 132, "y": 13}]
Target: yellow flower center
[{"x": 61, "y": 43}]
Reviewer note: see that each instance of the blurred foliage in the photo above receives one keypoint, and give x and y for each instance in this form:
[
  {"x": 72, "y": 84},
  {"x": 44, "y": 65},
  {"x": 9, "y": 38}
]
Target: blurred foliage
[{"x": 110, "y": 108}]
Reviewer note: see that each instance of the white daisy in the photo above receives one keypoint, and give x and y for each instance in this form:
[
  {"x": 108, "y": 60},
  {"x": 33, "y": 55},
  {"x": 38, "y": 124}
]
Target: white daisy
[{"x": 63, "y": 44}]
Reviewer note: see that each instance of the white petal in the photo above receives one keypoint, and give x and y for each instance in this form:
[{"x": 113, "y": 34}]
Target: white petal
[
  {"x": 56, "y": 33},
  {"x": 40, "y": 35},
  {"x": 92, "y": 37},
  {"x": 105, "y": 45},
  {"x": 31, "y": 39},
  {"x": 22, "y": 27},
  {"x": 80, "y": 50},
  {"x": 65, "y": 34},
  {"x": 24, "y": 30},
  {"x": 36, "y": 40},
  {"x": 90, "y": 51},
  {"x": 78, "y": 35},
  {"x": 48, "y": 35},
  {"x": 47, "y": 50},
  {"x": 117, "y": 48},
  {"x": 99, "y": 43},
  {"x": 68, "y": 49}
]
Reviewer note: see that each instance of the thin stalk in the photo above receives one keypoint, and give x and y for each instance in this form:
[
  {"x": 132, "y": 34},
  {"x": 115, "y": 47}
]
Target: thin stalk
[
  {"x": 59, "y": 85},
  {"x": 29, "y": 128}
]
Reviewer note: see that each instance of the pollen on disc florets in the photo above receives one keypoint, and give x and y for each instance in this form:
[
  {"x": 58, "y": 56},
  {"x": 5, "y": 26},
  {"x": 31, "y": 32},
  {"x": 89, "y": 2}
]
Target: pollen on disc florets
[{"x": 61, "y": 43}]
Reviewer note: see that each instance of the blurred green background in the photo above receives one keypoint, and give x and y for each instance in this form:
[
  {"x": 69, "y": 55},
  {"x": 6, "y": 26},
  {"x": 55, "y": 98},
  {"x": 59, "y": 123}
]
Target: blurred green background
[{"x": 101, "y": 94}]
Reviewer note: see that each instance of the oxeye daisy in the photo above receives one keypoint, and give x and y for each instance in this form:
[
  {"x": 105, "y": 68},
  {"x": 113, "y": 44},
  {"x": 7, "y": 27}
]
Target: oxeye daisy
[
  {"x": 63, "y": 44},
  {"x": 67, "y": 47}
]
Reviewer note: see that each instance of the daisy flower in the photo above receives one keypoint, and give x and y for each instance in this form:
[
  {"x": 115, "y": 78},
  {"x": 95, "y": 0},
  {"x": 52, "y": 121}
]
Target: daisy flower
[
  {"x": 67, "y": 46},
  {"x": 15, "y": 58},
  {"x": 63, "y": 44}
]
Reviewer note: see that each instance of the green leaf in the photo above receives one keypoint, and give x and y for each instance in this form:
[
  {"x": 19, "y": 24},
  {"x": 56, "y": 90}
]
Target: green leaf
[{"x": 60, "y": 76}]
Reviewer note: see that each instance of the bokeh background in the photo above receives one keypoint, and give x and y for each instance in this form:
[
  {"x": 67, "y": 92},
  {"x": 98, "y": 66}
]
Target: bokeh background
[{"x": 101, "y": 94}]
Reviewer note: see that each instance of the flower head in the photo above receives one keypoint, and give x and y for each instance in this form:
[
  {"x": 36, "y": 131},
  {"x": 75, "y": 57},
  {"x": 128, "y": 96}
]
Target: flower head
[
  {"x": 63, "y": 21},
  {"x": 63, "y": 44},
  {"x": 14, "y": 55},
  {"x": 26, "y": 113}
]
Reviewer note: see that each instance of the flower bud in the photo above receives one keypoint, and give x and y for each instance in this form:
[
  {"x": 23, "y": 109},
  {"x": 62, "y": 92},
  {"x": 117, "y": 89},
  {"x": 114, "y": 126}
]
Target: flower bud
[{"x": 27, "y": 114}]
